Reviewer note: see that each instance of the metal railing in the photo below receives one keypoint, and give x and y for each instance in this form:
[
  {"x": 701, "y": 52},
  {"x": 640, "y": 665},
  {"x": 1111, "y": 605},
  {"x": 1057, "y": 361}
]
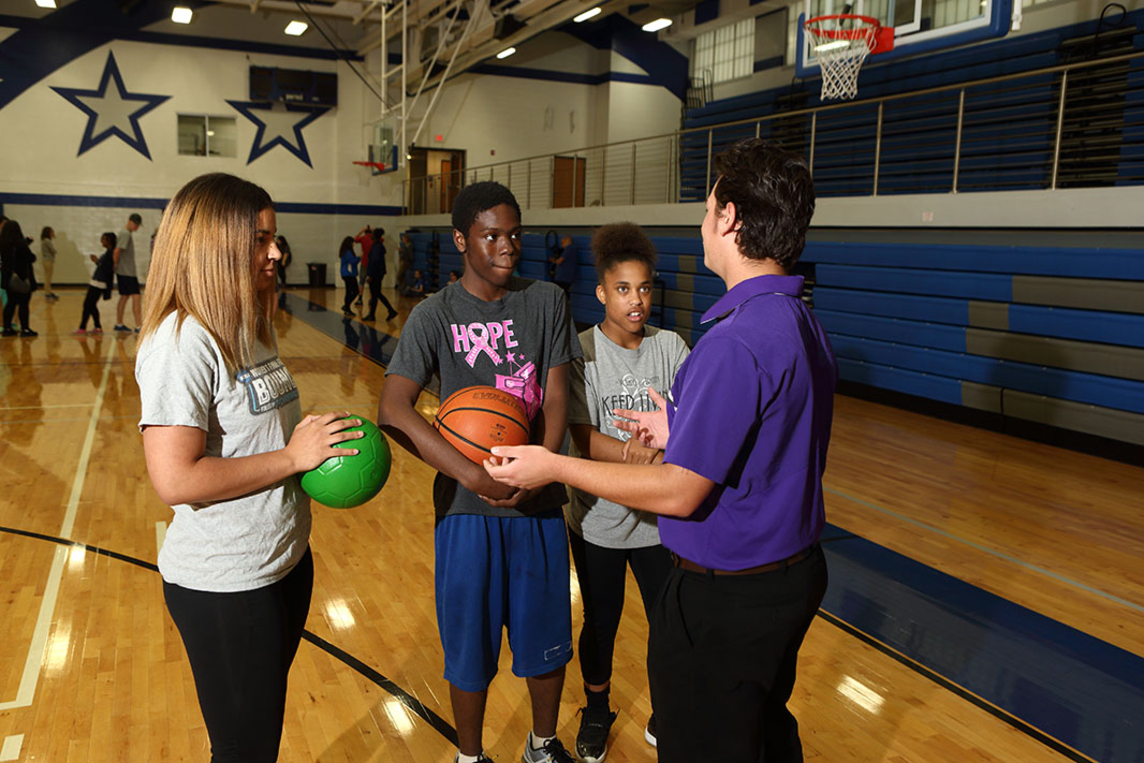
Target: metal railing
[{"x": 1056, "y": 126}]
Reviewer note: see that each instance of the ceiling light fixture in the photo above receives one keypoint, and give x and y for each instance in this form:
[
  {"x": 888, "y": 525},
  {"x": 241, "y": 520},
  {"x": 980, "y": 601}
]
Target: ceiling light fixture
[
  {"x": 181, "y": 15},
  {"x": 46, "y": 3},
  {"x": 506, "y": 53},
  {"x": 296, "y": 28},
  {"x": 588, "y": 14},
  {"x": 658, "y": 24}
]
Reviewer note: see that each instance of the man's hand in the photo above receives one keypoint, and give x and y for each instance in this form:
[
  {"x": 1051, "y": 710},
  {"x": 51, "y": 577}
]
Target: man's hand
[
  {"x": 650, "y": 427},
  {"x": 522, "y": 466}
]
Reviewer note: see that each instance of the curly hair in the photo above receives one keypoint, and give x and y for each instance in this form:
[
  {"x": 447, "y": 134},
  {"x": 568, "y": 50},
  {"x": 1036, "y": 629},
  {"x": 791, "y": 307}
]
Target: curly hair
[
  {"x": 773, "y": 196},
  {"x": 476, "y": 198},
  {"x": 621, "y": 242}
]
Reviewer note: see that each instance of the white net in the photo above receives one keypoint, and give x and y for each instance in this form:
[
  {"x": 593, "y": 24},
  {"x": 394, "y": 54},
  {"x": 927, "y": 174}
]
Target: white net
[{"x": 841, "y": 44}]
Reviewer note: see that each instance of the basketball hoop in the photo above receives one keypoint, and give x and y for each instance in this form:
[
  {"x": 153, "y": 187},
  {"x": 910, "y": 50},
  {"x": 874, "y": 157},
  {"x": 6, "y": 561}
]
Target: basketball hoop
[
  {"x": 378, "y": 167},
  {"x": 841, "y": 43}
]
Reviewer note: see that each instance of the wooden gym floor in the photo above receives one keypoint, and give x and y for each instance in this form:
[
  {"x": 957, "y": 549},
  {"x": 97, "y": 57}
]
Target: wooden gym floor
[{"x": 986, "y": 601}]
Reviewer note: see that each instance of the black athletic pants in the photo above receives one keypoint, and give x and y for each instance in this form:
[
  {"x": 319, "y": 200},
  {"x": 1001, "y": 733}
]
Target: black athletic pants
[
  {"x": 352, "y": 292},
  {"x": 91, "y": 307},
  {"x": 374, "y": 295},
  {"x": 722, "y": 658},
  {"x": 20, "y": 302},
  {"x": 602, "y": 573},
  {"x": 240, "y": 646}
]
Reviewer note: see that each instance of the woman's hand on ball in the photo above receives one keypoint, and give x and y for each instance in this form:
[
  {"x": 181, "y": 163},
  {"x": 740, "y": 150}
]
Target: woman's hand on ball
[{"x": 314, "y": 438}]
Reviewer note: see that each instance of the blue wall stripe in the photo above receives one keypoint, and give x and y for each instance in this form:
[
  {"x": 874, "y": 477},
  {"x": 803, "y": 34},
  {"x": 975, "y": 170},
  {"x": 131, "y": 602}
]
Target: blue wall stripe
[
  {"x": 986, "y": 286},
  {"x": 58, "y": 200}
]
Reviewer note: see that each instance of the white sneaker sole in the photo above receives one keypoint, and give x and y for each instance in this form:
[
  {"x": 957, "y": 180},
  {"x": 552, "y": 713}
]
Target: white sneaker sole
[
  {"x": 590, "y": 759},
  {"x": 649, "y": 738}
]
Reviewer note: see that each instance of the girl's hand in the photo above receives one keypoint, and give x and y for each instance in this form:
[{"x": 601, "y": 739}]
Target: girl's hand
[
  {"x": 649, "y": 426},
  {"x": 313, "y": 440}
]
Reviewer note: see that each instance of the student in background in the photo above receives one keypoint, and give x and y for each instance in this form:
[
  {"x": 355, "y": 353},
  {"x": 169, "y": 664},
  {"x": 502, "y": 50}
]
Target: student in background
[
  {"x": 349, "y": 271},
  {"x": 99, "y": 285},
  {"x": 48, "y": 261}
]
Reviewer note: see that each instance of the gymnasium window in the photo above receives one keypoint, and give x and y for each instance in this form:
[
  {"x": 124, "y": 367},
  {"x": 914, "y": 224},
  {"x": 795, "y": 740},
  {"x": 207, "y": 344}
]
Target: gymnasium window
[
  {"x": 201, "y": 135},
  {"x": 727, "y": 52}
]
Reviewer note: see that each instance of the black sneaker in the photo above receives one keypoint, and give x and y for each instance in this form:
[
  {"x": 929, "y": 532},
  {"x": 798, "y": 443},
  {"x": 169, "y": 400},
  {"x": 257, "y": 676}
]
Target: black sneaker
[
  {"x": 592, "y": 741},
  {"x": 9, "y": 332},
  {"x": 28, "y": 332},
  {"x": 552, "y": 752},
  {"x": 649, "y": 731}
]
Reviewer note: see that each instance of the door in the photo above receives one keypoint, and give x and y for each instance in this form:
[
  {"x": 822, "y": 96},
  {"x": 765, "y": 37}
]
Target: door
[{"x": 568, "y": 181}]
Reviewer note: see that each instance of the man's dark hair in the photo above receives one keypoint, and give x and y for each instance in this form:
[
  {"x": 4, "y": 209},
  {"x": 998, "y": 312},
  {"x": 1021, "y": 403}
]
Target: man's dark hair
[
  {"x": 476, "y": 198},
  {"x": 621, "y": 242},
  {"x": 773, "y": 196},
  {"x": 377, "y": 233}
]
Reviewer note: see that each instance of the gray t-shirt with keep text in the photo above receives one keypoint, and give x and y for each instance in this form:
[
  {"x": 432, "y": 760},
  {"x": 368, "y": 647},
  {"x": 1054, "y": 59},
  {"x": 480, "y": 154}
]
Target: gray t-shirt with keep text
[
  {"x": 608, "y": 377},
  {"x": 510, "y": 343},
  {"x": 247, "y": 542}
]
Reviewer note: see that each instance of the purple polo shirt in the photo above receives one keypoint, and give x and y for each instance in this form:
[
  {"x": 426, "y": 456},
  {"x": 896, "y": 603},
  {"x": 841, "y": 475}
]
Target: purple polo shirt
[{"x": 753, "y": 407}]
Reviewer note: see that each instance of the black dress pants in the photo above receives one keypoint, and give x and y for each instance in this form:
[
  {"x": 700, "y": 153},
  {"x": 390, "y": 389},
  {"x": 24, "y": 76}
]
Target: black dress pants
[{"x": 722, "y": 657}]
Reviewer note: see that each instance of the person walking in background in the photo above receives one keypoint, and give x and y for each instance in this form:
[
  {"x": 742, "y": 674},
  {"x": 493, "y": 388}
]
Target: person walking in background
[
  {"x": 364, "y": 239},
  {"x": 98, "y": 286},
  {"x": 48, "y": 261},
  {"x": 287, "y": 258},
  {"x": 349, "y": 274},
  {"x": 375, "y": 275},
  {"x": 17, "y": 277},
  {"x": 125, "y": 272}
]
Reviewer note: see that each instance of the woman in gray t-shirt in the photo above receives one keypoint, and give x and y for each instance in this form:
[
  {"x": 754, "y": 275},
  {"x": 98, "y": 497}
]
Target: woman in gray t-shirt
[{"x": 224, "y": 439}]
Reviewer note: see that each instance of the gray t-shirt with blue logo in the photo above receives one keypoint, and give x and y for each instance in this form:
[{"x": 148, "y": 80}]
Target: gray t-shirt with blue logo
[{"x": 242, "y": 543}]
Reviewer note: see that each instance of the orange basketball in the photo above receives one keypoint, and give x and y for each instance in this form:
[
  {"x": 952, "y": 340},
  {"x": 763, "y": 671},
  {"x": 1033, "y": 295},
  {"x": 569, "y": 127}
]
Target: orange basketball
[{"x": 476, "y": 419}]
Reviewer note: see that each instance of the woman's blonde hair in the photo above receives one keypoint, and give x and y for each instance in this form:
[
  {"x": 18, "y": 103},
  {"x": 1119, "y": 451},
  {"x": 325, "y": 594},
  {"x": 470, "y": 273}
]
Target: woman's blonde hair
[{"x": 202, "y": 265}]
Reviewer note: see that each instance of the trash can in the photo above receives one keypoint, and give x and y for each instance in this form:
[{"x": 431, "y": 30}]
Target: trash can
[{"x": 317, "y": 273}]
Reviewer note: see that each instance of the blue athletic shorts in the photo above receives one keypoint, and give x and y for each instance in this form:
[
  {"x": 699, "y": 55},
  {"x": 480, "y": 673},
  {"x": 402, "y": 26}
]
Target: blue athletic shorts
[{"x": 494, "y": 573}]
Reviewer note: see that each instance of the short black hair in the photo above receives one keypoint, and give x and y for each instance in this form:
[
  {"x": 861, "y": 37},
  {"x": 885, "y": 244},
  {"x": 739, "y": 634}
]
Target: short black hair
[
  {"x": 476, "y": 198},
  {"x": 377, "y": 233},
  {"x": 108, "y": 235},
  {"x": 621, "y": 242},
  {"x": 773, "y": 196}
]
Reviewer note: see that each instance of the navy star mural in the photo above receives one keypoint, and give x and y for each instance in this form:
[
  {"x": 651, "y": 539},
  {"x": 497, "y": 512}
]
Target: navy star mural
[
  {"x": 277, "y": 125},
  {"x": 112, "y": 111}
]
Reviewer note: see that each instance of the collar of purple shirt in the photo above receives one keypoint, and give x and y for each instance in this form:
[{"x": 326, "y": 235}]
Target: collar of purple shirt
[{"x": 791, "y": 286}]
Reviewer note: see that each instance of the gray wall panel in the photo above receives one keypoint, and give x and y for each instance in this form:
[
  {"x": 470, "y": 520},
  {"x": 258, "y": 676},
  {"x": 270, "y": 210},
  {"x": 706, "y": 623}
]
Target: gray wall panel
[
  {"x": 983, "y": 397},
  {"x": 1105, "y": 422},
  {"x": 1087, "y": 294},
  {"x": 989, "y": 315},
  {"x": 1106, "y": 359}
]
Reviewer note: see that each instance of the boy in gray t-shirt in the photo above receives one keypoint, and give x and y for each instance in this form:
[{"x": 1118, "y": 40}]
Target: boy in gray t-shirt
[
  {"x": 500, "y": 555},
  {"x": 623, "y": 359}
]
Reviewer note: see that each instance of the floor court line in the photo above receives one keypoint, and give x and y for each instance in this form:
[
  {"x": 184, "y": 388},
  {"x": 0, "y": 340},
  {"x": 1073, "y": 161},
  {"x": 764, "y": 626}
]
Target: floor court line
[
  {"x": 31, "y": 674},
  {"x": 11, "y": 748},
  {"x": 990, "y": 551}
]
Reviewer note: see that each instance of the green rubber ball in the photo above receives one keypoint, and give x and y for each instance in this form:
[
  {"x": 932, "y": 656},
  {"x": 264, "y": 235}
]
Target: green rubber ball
[{"x": 343, "y": 482}]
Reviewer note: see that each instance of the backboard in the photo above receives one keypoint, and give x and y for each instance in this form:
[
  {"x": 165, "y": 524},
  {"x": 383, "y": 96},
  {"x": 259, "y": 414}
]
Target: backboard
[
  {"x": 920, "y": 26},
  {"x": 383, "y": 150}
]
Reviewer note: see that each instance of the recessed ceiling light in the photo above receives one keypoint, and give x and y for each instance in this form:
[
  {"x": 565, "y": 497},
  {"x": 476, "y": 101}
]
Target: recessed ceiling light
[
  {"x": 588, "y": 14},
  {"x": 296, "y": 28},
  {"x": 506, "y": 53},
  {"x": 658, "y": 24},
  {"x": 181, "y": 15},
  {"x": 46, "y": 3}
]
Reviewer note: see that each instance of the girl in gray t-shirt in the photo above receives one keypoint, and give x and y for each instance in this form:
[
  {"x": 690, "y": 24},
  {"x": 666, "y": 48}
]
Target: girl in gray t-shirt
[
  {"x": 224, "y": 438},
  {"x": 623, "y": 360}
]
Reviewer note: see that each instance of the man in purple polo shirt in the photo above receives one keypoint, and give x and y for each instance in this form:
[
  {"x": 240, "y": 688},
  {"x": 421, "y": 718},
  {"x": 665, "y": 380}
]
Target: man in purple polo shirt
[{"x": 740, "y": 485}]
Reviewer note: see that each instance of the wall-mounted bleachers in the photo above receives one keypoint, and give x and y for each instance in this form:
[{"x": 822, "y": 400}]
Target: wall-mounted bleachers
[
  {"x": 1053, "y": 335},
  {"x": 1009, "y": 127}
]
